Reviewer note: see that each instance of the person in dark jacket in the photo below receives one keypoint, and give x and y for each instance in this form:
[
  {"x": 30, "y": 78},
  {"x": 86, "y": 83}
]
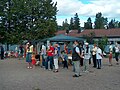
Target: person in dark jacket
[
  {"x": 2, "y": 52},
  {"x": 76, "y": 54}
]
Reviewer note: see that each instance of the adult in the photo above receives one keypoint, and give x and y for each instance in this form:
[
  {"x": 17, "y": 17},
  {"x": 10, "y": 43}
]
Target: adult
[
  {"x": 50, "y": 53},
  {"x": 94, "y": 50},
  {"x": 87, "y": 55},
  {"x": 117, "y": 50},
  {"x": 29, "y": 51},
  {"x": 43, "y": 53},
  {"x": 82, "y": 50},
  {"x": 56, "y": 57},
  {"x": 2, "y": 53},
  {"x": 21, "y": 51},
  {"x": 99, "y": 57},
  {"x": 76, "y": 54}
]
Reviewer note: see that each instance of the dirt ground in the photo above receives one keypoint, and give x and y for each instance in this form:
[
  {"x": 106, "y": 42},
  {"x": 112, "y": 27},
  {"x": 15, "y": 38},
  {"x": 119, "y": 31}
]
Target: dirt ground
[{"x": 15, "y": 76}]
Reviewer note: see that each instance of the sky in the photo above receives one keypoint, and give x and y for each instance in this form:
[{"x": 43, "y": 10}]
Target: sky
[{"x": 86, "y": 9}]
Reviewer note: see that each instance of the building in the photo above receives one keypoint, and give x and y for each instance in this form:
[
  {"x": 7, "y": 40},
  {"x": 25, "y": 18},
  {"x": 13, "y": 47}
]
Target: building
[{"x": 113, "y": 35}]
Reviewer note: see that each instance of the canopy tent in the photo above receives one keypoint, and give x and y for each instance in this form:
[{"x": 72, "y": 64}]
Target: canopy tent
[{"x": 63, "y": 38}]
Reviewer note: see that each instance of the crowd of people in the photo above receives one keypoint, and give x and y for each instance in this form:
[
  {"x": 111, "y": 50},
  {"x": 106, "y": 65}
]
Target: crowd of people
[
  {"x": 52, "y": 56},
  {"x": 81, "y": 56}
]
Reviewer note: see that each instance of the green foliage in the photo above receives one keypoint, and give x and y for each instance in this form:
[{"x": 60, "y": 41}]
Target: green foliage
[
  {"x": 119, "y": 25},
  {"x": 102, "y": 42},
  {"x": 88, "y": 24},
  {"x": 100, "y": 21},
  {"x": 89, "y": 37},
  {"x": 65, "y": 25},
  {"x": 27, "y": 19},
  {"x": 71, "y": 24},
  {"x": 76, "y": 22},
  {"x": 112, "y": 24}
]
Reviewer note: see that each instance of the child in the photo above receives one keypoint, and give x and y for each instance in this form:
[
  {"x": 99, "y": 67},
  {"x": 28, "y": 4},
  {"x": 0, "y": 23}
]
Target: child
[
  {"x": 65, "y": 59},
  {"x": 33, "y": 60},
  {"x": 110, "y": 58}
]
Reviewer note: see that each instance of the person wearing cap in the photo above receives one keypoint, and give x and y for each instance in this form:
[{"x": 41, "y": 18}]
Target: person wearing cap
[
  {"x": 87, "y": 55},
  {"x": 76, "y": 54}
]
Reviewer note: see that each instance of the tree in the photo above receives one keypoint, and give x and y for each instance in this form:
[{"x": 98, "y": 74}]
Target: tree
[
  {"x": 88, "y": 24},
  {"x": 89, "y": 37},
  {"x": 112, "y": 24},
  {"x": 71, "y": 24},
  {"x": 28, "y": 19},
  {"x": 119, "y": 25},
  {"x": 65, "y": 25},
  {"x": 76, "y": 22},
  {"x": 100, "y": 21},
  {"x": 103, "y": 42}
]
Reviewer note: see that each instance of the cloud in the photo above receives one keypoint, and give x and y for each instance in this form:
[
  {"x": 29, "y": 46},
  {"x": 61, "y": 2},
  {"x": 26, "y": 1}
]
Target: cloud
[{"x": 110, "y": 9}]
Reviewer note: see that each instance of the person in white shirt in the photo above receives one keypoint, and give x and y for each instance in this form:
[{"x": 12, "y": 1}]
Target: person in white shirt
[
  {"x": 99, "y": 57},
  {"x": 117, "y": 50},
  {"x": 87, "y": 55},
  {"x": 43, "y": 53}
]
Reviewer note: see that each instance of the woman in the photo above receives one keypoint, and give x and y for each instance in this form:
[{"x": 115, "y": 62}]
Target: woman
[{"x": 29, "y": 50}]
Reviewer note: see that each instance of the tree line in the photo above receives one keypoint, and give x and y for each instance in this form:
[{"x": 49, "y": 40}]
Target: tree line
[{"x": 99, "y": 23}]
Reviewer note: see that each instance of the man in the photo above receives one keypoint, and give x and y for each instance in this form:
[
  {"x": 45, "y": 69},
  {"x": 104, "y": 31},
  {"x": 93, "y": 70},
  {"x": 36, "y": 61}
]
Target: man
[
  {"x": 99, "y": 57},
  {"x": 94, "y": 55},
  {"x": 87, "y": 55},
  {"x": 76, "y": 54},
  {"x": 50, "y": 53}
]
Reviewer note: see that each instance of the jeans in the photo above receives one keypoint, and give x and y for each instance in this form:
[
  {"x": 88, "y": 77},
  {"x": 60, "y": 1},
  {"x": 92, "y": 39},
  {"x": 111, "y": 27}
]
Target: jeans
[
  {"x": 65, "y": 64},
  {"x": 98, "y": 63},
  {"x": 43, "y": 60},
  {"x": 77, "y": 67},
  {"x": 49, "y": 59},
  {"x": 116, "y": 56}
]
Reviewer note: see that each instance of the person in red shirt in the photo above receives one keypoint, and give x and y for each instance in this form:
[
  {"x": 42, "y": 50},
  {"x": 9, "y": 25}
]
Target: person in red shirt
[
  {"x": 66, "y": 48},
  {"x": 50, "y": 54}
]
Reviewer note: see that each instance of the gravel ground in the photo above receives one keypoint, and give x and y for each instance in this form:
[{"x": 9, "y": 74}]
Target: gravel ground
[{"x": 15, "y": 76}]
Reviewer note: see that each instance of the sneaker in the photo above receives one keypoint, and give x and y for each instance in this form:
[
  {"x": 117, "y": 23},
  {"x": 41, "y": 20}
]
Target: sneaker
[
  {"x": 117, "y": 63},
  {"x": 86, "y": 71},
  {"x": 50, "y": 69},
  {"x": 55, "y": 71},
  {"x": 110, "y": 64},
  {"x": 98, "y": 68},
  {"x": 75, "y": 75},
  {"x": 28, "y": 67}
]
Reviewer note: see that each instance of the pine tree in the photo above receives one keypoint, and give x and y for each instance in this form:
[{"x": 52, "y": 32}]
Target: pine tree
[
  {"x": 71, "y": 24},
  {"x": 88, "y": 24},
  {"x": 118, "y": 24},
  {"x": 112, "y": 24},
  {"x": 76, "y": 22}
]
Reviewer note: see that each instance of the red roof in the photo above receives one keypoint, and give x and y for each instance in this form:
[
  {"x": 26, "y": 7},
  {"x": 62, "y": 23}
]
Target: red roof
[{"x": 98, "y": 32}]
